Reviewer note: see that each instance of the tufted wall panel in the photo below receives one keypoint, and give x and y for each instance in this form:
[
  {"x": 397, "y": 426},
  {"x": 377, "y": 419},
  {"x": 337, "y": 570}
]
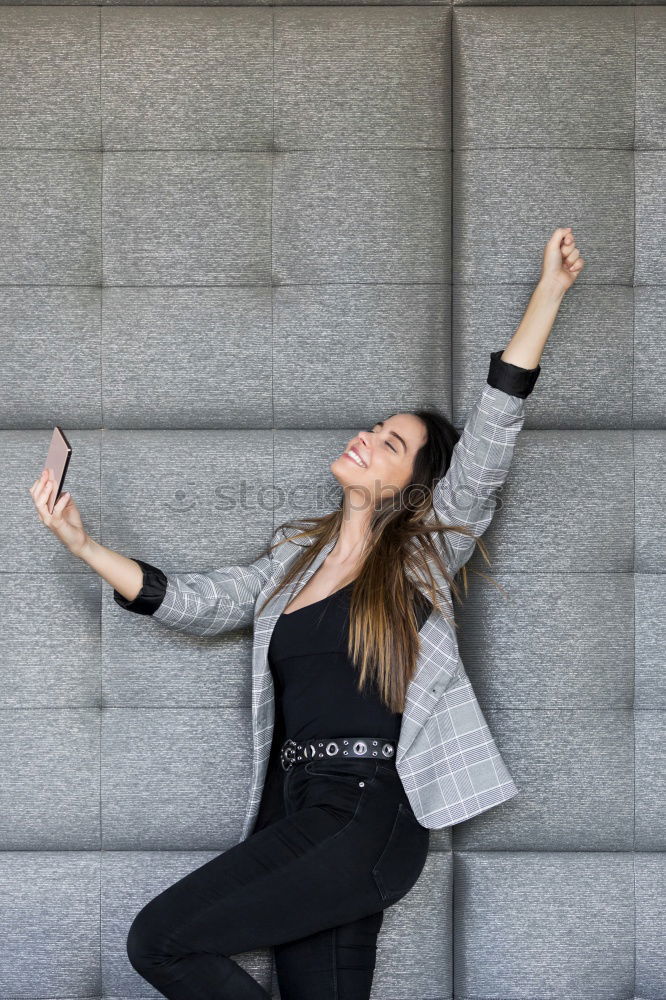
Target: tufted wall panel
[{"x": 230, "y": 236}]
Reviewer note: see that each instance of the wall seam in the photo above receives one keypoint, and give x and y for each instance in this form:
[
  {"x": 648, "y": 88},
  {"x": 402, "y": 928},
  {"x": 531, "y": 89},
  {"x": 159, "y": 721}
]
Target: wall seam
[
  {"x": 633, "y": 462},
  {"x": 272, "y": 287},
  {"x": 452, "y": 936},
  {"x": 101, "y": 447}
]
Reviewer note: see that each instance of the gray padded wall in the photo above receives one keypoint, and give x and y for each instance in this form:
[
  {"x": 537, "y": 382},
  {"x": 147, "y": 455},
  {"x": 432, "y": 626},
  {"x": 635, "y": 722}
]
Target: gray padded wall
[{"x": 231, "y": 236}]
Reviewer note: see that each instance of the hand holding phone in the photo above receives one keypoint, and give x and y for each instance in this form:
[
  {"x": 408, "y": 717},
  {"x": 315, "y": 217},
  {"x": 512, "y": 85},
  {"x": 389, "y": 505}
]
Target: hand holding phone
[{"x": 57, "y": 510}]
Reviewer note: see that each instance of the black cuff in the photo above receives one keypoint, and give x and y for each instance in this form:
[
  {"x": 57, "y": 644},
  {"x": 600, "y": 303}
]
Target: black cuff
[
  {"x": 151, "y": 595},
  {"x": 511, "y": 378}
]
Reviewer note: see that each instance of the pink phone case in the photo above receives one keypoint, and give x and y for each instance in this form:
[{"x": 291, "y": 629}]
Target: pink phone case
[{"x": 57, "y": 460}]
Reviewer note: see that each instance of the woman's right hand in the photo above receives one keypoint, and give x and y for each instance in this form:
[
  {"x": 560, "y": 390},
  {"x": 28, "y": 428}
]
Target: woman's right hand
[{"x": 65, "y": 521}]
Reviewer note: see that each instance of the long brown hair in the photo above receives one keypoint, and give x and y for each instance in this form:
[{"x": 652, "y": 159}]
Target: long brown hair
[{"x": 384, "y": 641}]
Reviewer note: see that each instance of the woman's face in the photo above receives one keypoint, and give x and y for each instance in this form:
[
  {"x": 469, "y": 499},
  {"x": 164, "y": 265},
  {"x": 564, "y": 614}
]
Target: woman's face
[{"x": 387, "y": 452}]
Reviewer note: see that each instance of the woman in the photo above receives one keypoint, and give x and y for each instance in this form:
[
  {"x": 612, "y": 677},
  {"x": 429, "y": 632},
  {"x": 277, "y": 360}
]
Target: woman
[{"x": 384, "y": 737}]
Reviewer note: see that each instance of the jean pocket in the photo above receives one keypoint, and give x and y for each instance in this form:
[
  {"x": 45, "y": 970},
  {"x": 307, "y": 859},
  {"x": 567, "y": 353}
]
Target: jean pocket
[
  {"x": 348, "y": 772},
  {"x": 404, "y": 856}
]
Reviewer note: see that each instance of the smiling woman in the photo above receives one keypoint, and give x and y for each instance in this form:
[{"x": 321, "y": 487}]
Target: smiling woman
[
  {"x": 366, "y": 732},
  {"x": 340, "y": 809}
]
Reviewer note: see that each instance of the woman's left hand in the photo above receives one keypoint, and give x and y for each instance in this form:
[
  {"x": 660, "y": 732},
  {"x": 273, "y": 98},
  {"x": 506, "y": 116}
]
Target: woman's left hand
[{"x": 562, "y": 262}]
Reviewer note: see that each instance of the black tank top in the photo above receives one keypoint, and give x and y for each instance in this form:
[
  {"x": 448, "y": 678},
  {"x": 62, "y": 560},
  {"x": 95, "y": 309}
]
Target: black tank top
[{"x": 316, "y": 682}]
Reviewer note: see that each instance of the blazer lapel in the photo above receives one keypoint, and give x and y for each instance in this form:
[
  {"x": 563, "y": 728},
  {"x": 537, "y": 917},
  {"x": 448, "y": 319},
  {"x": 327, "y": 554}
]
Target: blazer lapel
[{"x": 267, "y": 620}]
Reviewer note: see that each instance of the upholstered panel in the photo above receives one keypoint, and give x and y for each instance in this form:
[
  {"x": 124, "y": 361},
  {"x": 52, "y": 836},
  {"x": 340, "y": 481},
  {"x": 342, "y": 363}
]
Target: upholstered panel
[{"x": 232, "y": 235}]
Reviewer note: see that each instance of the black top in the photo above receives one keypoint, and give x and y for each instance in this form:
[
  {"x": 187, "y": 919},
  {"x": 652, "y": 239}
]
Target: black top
[
  {"x": 315, "y": 680},
  {"x": 502, "y": 375}
]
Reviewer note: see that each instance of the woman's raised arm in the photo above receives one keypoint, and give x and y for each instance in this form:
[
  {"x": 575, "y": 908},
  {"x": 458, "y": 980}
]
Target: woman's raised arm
[{"x": 467, "y": 495}]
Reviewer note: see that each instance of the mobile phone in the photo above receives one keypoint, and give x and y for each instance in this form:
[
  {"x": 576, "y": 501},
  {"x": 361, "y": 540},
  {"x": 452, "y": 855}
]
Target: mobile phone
[{"x": 57, "y": 460}]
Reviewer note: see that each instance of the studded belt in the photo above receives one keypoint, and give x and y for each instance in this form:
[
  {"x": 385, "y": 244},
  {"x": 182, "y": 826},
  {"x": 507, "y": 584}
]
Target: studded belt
[{"x": 359, "y": 747}]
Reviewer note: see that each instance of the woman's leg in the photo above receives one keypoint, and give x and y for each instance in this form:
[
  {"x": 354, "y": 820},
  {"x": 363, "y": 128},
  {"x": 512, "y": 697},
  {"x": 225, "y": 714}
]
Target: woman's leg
[
  {"x": 342, "y": 958},
  {"x": 310, "y": 871}
]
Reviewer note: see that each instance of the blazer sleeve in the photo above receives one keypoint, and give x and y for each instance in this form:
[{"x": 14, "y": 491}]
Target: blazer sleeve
[
  {"x": 202, "y": 603},
  {"x": 467, "y": 495}
]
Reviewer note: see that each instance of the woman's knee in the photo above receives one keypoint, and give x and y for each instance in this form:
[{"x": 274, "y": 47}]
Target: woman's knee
[{"x": 145, "y": 943}]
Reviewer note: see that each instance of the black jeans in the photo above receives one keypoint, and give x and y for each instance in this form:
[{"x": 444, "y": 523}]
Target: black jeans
[{"x": 336, "y": 845}]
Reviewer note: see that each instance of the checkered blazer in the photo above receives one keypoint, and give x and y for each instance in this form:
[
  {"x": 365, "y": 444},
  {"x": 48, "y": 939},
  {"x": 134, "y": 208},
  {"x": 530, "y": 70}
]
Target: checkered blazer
[{"x": 447, "y": 759}]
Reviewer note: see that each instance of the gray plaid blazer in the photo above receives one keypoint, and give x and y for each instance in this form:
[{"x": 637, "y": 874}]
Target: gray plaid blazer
[{"x": 446, "y": 757}]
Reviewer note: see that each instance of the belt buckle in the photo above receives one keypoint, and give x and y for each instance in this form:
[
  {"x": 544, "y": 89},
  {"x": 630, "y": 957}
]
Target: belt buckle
[{"x": 288, "y": 748}]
